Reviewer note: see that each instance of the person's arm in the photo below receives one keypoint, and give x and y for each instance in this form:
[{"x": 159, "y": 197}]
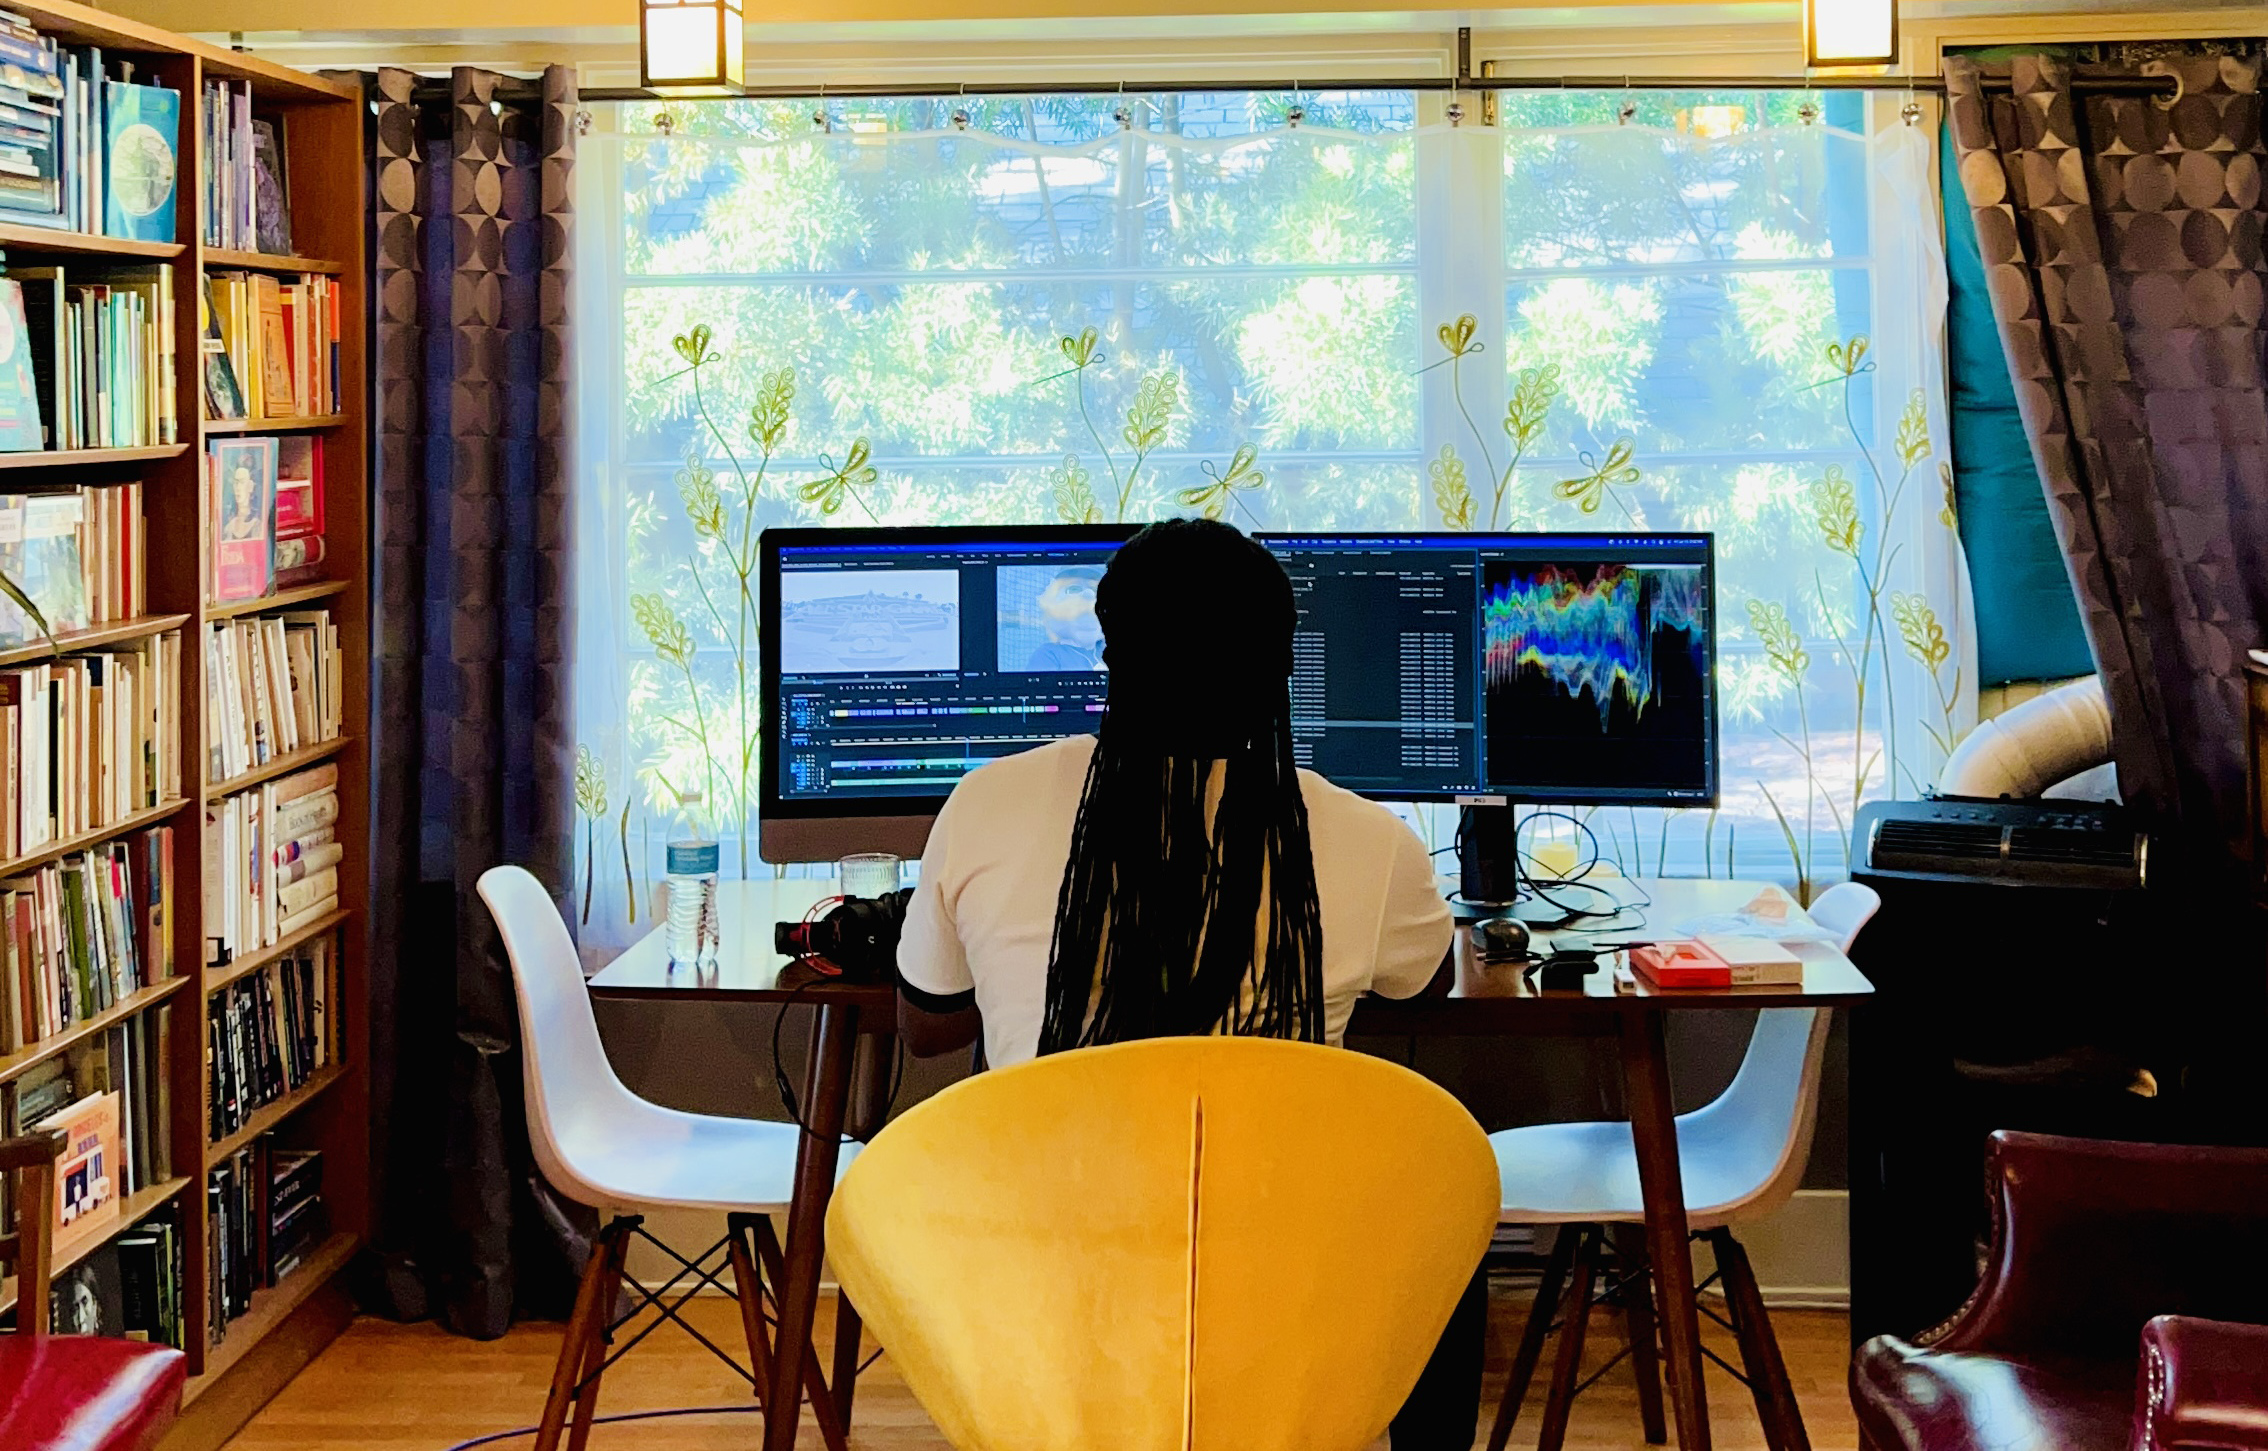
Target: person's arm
[
  {"x": 937, "y": 1010},
  {"x": 1415, "y": 930}
]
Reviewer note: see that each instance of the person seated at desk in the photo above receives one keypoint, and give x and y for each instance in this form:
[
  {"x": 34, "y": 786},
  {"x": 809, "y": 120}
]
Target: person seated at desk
[{"x": 1179, "y": 874}]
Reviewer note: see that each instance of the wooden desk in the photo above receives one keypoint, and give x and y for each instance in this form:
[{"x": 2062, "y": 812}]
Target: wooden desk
[
  {"x": 1498, "y": 1001},
  {"x": 1485, "y": 1001}
]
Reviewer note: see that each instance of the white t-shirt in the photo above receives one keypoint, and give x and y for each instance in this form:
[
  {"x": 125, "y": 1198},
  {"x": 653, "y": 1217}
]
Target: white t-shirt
[{"x": 983, "y": 916}]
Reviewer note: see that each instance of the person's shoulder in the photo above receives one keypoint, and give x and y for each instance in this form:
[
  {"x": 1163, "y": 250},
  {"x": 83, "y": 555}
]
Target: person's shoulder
[
  {"x": 1335, "y": 810},
  {"x": 1030, "y": 771}
]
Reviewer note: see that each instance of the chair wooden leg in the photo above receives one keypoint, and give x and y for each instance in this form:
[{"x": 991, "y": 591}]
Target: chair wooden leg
[
  {"x": 814, "y": 1380},
  {"x": 749, "y": 1286},
  {"x": 614, "y": 1245},
  {"x": 1759, "y": 1347},
  {"x": 1567, "y": 1369},
  {"x": 1638, "y": 1324},
  {"x": 848, "y": 1337},
  {"x": 1525, "y": 1359},
  {"x": 574, "y": 1350}
]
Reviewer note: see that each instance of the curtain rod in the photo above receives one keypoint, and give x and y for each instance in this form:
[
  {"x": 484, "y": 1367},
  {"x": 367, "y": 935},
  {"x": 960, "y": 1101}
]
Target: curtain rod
[{"x": 438, "y": 91}]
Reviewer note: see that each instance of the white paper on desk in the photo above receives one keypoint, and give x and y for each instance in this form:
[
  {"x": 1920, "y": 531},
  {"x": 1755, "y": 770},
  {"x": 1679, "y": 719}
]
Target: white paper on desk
[{"x": 1750, "y": 924}]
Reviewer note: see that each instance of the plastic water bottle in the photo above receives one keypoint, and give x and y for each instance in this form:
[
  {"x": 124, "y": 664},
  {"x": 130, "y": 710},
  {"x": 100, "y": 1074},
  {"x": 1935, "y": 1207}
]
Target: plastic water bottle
[{"x": 692, "y": 879}]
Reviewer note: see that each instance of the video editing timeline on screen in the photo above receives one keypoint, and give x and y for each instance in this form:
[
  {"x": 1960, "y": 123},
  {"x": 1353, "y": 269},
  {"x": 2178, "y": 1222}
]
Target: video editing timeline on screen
[
  {"x": 903, "y": 667},
  {"x": 1539, "y": 668}
]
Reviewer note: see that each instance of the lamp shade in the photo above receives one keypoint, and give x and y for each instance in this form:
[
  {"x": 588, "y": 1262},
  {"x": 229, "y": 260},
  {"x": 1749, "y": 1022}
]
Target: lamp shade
[
  {"x": 1850, "y": 32},
  {"x": 691, "y": 47}
]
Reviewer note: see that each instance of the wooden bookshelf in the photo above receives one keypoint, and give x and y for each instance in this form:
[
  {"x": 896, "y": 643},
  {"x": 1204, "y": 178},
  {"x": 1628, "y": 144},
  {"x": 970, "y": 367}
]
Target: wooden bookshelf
[
  {"x": 323, "y": 162},
  {"x": 273, "y": 425},
  {"x": 64, "y": 846},
  {"x": 222, "y": 257},
  {"x": 16, "y": 237},
  {"x": 284, "y": 599},
  {"x": 282, "y": 765},
  {"x": 88, "y": 457},
  {"x": 31, "y": 1055},
  {"x": 91, "y": 638}
]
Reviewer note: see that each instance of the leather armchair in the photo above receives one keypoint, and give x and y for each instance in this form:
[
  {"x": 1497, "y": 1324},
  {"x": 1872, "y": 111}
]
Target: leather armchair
[
  {"x": 2058, "y": 1350},
  {"x": 70, "y": 1392}
]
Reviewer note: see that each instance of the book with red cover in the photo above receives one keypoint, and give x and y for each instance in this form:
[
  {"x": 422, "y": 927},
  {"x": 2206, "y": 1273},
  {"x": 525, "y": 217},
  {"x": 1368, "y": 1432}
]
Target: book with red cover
[
  {"x": 88, "y": 1177},
  {"x": 244, "y": 507},
  {"x": 1680, "y": 965},
  {"x": 299, "y": 486}
]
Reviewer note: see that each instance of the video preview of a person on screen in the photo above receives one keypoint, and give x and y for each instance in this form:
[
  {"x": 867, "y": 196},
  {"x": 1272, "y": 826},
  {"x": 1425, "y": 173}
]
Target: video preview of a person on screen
[{"x": 1066, "y": 608}]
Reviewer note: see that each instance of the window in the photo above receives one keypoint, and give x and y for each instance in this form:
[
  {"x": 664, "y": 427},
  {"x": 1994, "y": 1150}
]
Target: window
[{"x": 1344, "y": 312}]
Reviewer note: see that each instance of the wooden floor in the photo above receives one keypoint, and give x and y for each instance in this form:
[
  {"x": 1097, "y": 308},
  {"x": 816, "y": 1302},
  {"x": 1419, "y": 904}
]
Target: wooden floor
[{"x": 416, "y": 1388}]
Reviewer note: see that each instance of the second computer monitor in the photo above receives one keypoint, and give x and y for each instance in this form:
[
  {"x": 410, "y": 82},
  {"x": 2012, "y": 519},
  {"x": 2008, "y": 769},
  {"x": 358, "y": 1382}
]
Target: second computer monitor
[{"x": 1530, "y": 668}]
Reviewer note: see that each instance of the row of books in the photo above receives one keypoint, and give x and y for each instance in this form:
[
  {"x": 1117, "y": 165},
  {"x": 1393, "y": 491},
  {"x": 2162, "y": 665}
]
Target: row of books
[
  {"x": 81, "y": 555},
  {"x": 81, "y": 148},
  {"x": 247, "y": 204},
  {"x": 87, "y": 740},
  {"x": 271, "y": 861},
  {"x": 78, "y": 935},
  {"x": 129, "y": 1289},
  {"x": 271, "y": 346},
  {"x": 269, "y": 1035},
  {"x": 272, "y": 686},
  {"x": 267, "y": 1215},
  {"x": 267, "y": 513},
  {"x": 112, "y": 1099},
  {"x": 86, "y": 358}
]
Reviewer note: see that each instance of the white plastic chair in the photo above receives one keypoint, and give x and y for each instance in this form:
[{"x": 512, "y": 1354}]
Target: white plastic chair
[
  {"x": 602, "y": 1145},
  {"x": 1741, "y": 1157}
]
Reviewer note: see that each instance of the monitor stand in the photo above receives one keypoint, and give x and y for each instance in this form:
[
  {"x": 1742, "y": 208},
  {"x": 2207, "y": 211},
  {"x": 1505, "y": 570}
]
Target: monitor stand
[{"x": 1488, "y": 871}]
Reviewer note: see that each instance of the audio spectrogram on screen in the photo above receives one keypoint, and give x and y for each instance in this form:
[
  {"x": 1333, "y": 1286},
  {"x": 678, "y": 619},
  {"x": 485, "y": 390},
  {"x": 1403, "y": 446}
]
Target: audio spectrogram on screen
[{"x": 1592, "y": 667}]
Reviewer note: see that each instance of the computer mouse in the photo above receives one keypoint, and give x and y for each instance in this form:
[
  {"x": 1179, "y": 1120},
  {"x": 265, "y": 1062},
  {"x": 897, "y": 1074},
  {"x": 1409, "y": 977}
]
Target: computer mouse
[{"x": 1501, "y": 939}]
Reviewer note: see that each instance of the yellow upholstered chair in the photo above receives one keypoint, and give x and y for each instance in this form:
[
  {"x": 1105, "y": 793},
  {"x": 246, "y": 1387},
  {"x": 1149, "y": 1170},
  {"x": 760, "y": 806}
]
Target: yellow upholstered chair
[{"x": 1183, "y": 1244}]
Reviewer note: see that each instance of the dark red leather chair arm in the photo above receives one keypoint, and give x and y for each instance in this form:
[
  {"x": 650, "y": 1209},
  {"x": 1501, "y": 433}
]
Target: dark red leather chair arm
[
  {"x": 2204, "y": 1386},
  {"x": 2093, "y": 1238}
]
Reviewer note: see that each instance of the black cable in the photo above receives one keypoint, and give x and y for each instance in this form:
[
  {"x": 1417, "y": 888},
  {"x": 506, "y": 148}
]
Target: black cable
[{"x": 494, "y": 1436}]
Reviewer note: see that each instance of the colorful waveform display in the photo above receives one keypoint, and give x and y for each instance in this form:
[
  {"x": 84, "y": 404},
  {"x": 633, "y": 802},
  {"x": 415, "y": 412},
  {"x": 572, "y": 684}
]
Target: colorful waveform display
[{"x": 1590, "y": 628}]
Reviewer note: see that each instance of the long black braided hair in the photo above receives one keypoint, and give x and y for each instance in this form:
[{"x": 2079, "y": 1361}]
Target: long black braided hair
[{"x": 1165, "y": 926}]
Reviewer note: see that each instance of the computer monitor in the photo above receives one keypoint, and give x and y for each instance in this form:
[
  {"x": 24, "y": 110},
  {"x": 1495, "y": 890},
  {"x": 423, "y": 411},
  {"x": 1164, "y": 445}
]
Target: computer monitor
[
  {"x": 1492, "y": 669},
  {"x": 1482, "y": 669},
  {"x": 896, "y": 661}
]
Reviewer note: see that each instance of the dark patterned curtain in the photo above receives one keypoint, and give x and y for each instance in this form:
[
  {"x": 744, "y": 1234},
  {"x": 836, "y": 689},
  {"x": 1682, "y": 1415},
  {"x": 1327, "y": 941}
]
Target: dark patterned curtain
[
  {"x": 2121, "y": 240},
  {"x": 471, "y": 205}
]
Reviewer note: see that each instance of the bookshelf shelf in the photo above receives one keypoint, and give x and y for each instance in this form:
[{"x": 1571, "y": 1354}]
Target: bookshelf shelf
[
  {"x": 269, "y": 262},
  {"x": 31, "y": 1055},
  {"x": 273, "y": 425},
  {"x": 137, "y": 1208},
  {"x": 64, "y": 846},
  {"x": 270, "y": 1308},
  {"x": 138, "y": 628},
  {"x": 282, "y": 599},
  {"x": 18, "y": 237},
  {"x": 248, "y": 963},
  {"x": 86, "y": 457},
  {"x": 282, "y": 765},
  {"x": 265, "y": 1118}
]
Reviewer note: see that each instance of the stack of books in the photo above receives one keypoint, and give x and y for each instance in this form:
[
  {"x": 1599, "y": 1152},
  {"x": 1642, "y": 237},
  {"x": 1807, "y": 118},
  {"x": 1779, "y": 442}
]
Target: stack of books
[
  {"x": 87, "y": 740},
  {"x": 94, "y": 368},
  {"x": 149, "y": 1271},
  {"x": 272, "y": 856},
  {"x": 271, "y": 346},
  {"x": 267, "y": 1035},
  {"x": 83, "y": 148},
  {"x": 78, "y": 935},
  {"x": 272, "y": 686},
  {"x": 81, "y": 554},
  {"x": 296, "y": 1218},
  {"x": 232, "y": 1238},
  {"x": 247, "y": 202}
]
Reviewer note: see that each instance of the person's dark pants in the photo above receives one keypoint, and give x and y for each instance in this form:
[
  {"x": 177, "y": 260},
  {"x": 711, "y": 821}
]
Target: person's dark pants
[{"x": 1443, "y": 1411}]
